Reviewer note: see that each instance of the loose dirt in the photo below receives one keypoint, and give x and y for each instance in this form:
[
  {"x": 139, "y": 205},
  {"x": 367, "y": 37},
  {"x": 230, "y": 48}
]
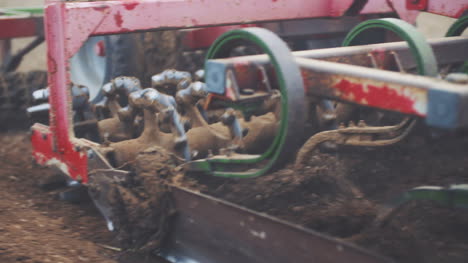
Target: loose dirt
[
  {"x": 342, "y": 194},
  {"x": 36, "y": 227}
]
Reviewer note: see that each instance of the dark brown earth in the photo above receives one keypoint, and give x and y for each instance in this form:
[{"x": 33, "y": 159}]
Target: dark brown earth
[
  {"x": 339, "y": 194},
  {"x": 36, "y": 227},
  {"x": 342, "y": 194}
]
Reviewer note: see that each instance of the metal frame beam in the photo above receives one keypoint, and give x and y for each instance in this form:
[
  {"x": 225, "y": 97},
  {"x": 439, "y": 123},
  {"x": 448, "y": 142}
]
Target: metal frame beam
[{"x": 338, "y": 74}]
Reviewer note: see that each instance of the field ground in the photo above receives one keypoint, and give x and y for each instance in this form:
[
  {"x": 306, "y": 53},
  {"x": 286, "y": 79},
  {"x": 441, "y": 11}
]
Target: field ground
[{"x": 37, "y": 227}]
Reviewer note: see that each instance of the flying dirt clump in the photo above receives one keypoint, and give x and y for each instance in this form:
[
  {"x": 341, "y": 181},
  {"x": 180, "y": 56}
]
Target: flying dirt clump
[{"x": 140, "y": 204}]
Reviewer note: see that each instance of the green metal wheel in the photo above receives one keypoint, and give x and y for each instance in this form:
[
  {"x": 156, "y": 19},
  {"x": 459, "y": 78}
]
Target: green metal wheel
[
  {"x": 457, "y": 28},
  {"x": 293, "y": 106},
  {"x": 421, "y": 50}
]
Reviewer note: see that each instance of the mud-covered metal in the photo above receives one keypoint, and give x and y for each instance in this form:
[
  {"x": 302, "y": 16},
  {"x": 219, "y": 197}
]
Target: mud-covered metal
[
  {"x": 170, "y": 77},
  {"x": 72, "y": 161},
  {"x": 236, "y": 234},
  {"x": 356, "y": 135},
  {"x": 176, "y": 123}
]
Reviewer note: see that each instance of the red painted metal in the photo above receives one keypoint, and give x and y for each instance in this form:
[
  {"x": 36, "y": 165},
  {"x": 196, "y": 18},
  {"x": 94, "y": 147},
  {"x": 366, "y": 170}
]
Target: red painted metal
[
  {"x": 390, "y": 6},
  {"x": 20, "y": 27},
  {"x": 451, "y": 8},
  {"x": 54, "y": 146},
  {"x": 375, "y": 96},
  {"x": 69, "y": 24},
  {"x": 106, "y": 17},
  {"x": 204, "y": 37},
  {"x": 72, "y": 161},
  {"x": 100, "y": 48},
  {"x": 420, "y": 5}
]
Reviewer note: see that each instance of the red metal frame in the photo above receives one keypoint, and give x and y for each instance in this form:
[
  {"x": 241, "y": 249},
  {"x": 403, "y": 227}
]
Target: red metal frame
[
  {"x": 204, "y": 37},
  {"x": 451, "y": 8},
  {"x": 15, "y": 27},
  {"x": 416, "y": 4},
  {"x": 69, "y": 24}
]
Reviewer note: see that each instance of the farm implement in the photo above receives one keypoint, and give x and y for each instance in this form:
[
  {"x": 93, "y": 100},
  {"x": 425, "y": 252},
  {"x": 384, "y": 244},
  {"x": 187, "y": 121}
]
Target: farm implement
[{"x": 255, "y": 108}]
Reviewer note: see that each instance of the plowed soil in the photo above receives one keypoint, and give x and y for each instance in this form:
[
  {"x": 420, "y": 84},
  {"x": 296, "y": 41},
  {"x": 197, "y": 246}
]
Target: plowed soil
[
  {"x": 343, "y": 194},
  {"x": 340, "y": 194},
  {"x": 37, "y": 227}
]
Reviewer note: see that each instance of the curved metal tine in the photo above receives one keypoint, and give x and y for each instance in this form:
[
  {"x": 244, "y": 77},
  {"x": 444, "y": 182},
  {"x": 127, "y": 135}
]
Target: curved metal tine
[
  {"x": 374, "y": 130},
  {"x": 385, "y": 142}
]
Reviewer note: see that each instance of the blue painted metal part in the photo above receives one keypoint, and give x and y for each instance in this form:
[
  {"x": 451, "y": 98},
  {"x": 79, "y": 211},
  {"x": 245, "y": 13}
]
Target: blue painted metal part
[
  {"x": 447, "y": 109},
  {"x": 215, "y": 77}
]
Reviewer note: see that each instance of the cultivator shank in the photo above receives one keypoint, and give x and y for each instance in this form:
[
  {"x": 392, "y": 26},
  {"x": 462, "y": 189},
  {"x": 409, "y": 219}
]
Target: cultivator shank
[{"x": 242, "y": 116}]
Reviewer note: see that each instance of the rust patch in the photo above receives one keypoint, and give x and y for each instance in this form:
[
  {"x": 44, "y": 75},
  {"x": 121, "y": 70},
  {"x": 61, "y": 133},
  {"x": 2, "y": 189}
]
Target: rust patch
[
  {"x": 130, "y": 6},
  {"x": 51, "y": 64},
  {"x": 118, "y": 19},
  {"x": 371, "y": 95}
]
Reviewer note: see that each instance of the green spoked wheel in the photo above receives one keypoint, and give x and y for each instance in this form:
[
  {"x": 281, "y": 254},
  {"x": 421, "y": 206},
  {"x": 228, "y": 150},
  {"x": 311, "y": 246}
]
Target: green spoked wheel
[
  {"x": 421, "y": 50},
  {"x": 293, "y": 106},
  {"x": 426, "y": 63},
  {"x": 457, "y": 28}
]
